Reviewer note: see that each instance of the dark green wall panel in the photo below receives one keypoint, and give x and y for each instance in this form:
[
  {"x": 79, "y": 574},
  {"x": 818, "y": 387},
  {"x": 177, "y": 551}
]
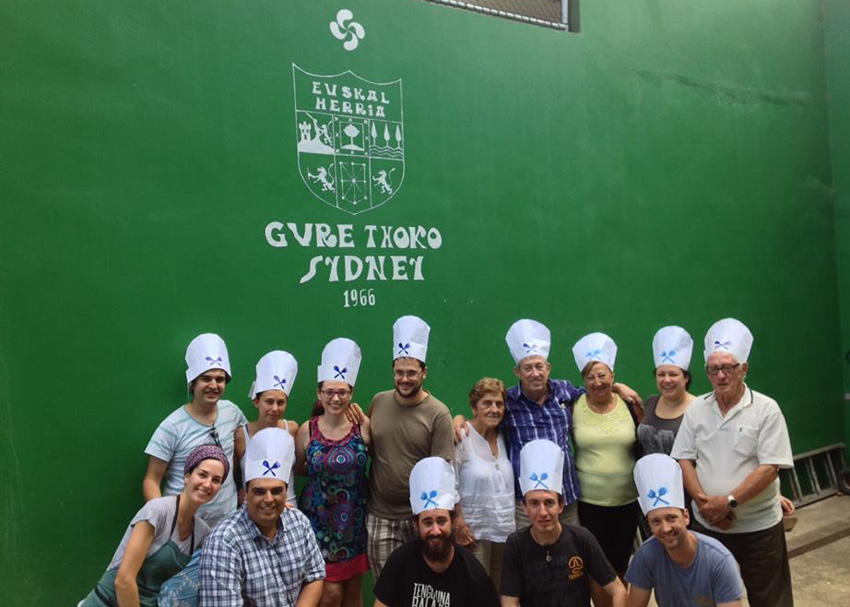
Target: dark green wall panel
[{"x": 837, "y": 45}]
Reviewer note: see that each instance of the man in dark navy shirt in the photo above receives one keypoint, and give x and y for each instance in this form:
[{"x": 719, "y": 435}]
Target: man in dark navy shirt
[{"x": 549, "y": 564}]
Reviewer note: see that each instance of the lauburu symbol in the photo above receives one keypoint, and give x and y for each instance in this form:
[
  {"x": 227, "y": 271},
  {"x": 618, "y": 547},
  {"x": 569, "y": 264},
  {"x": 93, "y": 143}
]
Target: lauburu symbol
[{"x": 346, "y": 29}]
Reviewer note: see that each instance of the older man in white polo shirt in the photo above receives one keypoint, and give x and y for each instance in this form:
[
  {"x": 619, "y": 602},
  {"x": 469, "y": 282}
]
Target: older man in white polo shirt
[{"x": 730, "y": 446}]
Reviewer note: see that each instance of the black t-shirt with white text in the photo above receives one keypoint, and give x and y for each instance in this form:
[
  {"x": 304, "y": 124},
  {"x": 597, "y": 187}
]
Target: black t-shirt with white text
[
  {"x": 561, "y": 580},
  {"x": 407, "y": 581}
]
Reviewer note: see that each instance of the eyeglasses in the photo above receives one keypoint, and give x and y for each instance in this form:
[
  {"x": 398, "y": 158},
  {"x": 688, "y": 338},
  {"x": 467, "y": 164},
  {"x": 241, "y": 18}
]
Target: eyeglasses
[
  {"x": 214, "y": 434},
  {"x": 340, "y": 394},
  {"x": 406, "y": 374},
  {"x": 727, "y": 369}
]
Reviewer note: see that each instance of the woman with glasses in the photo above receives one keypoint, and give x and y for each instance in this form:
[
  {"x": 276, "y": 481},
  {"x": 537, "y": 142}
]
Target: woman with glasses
[
  {"x": 604, "y": 432},
  {"x": 162, "y": 537},
  {"x": 484, "y": 518},
  {"x": 332, "y": 452},
  {"x": 276, "y": 372}
]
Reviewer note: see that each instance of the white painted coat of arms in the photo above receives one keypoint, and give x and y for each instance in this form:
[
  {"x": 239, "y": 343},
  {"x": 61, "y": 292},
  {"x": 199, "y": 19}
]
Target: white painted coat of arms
[{"x": 350, "y": 136}]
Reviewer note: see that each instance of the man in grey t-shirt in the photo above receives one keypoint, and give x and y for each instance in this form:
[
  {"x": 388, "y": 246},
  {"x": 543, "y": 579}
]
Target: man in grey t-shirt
[
  {"x": 407, "y": 424},
  {"x": 683, "y": 567}
]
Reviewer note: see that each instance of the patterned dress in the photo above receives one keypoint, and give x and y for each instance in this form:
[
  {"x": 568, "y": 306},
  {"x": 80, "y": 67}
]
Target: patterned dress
[{"x": 334, "y": 500}]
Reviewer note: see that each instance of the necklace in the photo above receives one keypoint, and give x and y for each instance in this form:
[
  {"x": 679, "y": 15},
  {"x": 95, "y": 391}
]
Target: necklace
[
  {"x": 600, "y": 409},
  {"x": 542, "y": 545}
]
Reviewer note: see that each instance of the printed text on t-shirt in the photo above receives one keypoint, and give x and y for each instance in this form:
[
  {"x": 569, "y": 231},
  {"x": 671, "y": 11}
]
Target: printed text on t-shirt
[{"x": 424, "y": 595}]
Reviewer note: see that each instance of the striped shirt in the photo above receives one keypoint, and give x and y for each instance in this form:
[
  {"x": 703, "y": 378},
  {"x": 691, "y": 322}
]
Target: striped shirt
[
  {"x": 179, "y": 434},
  {"x": 525, "y": 420},
  {"x": 240, "y": 566}
]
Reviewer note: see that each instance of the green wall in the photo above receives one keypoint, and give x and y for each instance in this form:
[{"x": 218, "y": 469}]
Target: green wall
[
  {"x": 837, "y": 46},
  {"x": 669, "y": 164}
]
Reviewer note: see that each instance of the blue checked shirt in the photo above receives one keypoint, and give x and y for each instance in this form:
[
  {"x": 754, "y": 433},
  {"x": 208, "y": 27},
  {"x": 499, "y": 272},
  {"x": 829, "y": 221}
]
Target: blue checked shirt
[
  {"x": 239, "y": 566},
  {"x": 525, "y": 421}
]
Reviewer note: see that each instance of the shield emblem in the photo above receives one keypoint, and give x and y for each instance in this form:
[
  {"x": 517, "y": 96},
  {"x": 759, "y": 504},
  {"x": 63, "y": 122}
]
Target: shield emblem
[{"x": 350, "y": 138}]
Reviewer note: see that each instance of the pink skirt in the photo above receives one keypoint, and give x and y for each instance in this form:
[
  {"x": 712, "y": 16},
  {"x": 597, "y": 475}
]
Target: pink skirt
[{"x": 339, "y": 572}]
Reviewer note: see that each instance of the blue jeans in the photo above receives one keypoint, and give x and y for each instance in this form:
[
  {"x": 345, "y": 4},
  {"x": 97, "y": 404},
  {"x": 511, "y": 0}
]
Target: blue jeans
[{"x": 184, "y": 588}]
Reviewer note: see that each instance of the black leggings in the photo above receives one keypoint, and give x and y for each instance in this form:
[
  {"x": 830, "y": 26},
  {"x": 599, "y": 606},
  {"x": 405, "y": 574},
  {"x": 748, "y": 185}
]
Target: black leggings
[{"x": 614, "y": 528}]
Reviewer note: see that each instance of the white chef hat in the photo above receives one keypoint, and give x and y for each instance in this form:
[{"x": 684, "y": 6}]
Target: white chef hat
[
  {"x": 595, "y": 347},
  {"x": 672, "y": 346},
  {"x": 528, "y": 338},
  {"x": 432, "y": 485},
  {"x": 207, "y": 351},
  {"x": 270, "y": 454},
  {"x": 541, "y": 467},
  {"x": 340, "y": 361},
  {"x": 729, "y": 335},
  {"x": 275, "y": 371},
  {"x": 659, "y": 482},
  {"x": 410, "y": 338}
]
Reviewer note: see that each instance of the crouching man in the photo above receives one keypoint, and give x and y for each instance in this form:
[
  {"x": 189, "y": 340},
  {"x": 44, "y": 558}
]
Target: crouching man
[
  {"x": 263, "y": 555},
  {"x": 684, "y": 568},
  {"x": 431, "y": 569},
  {"x": 551, "y": 564}
]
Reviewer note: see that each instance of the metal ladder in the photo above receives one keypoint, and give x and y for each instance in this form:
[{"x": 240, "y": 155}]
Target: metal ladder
[{"x": 814, "y": 475}]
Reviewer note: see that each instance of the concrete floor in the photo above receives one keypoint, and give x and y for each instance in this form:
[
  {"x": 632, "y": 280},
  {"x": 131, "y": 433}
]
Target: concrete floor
[
  {"x": 819, "y": 551},
  {"x": 819, "y": 548}
]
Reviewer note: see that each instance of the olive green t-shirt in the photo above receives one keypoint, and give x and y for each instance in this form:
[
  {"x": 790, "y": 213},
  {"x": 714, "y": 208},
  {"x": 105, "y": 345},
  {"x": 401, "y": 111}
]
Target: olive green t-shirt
[{"x": 401, "y": 436}]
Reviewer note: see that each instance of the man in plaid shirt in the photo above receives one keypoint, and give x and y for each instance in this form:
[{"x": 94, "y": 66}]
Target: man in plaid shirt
[{"x": 263, "y": 555}]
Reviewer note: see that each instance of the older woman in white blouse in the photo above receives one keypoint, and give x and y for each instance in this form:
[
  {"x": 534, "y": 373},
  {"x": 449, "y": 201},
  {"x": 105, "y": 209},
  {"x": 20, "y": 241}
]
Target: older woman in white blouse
[{"x": 485, "y": 514}]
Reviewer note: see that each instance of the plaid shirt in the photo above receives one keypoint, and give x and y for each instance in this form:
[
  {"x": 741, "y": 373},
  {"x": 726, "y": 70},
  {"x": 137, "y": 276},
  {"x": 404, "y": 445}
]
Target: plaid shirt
[
  {"x": 239, "y": 566},
  {"x": 525, "y": 420}
]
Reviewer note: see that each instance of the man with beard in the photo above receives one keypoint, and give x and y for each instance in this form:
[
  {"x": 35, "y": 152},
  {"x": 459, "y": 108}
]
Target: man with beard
[
  {"x": 684, "y": 568},
  {"x": 408, "y": 424},
  {"x": 432, "y": 570},
  {"x": 550, "y": 564}
]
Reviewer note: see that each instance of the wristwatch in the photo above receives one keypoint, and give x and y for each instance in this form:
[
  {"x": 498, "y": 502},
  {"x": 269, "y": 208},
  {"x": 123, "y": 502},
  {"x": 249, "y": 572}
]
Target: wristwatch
[{"x": 733, "y": 503}]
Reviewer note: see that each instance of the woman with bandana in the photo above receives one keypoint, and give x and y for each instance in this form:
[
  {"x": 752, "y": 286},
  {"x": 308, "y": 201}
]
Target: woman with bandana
[{"x": 162, "y": 536}]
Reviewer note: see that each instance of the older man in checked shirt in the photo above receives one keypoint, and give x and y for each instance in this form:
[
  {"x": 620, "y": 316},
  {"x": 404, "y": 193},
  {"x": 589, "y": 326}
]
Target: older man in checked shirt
[
  {"x": 263, "y": 555},
  {"x": 540, "y": 408}
]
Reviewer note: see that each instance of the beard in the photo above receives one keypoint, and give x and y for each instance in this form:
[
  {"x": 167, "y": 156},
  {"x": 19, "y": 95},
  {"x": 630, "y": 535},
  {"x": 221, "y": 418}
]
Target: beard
[
  {"x": 440, "y": 552},
  {"x": 407, "y": 392}
]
